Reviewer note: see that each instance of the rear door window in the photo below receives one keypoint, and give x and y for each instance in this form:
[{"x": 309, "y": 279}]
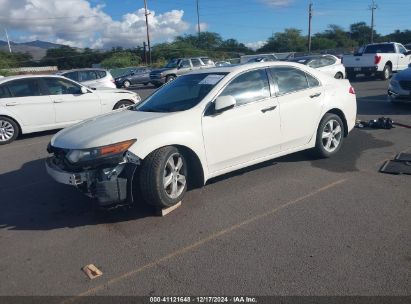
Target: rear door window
[
  {"x": 72, "y": 75},
  {"x": 196, "y": 62},
  {"x": 87, "y": 75},
  {"x": 289, "y": 79},
  {"x": 24, "y": 88},
  {"x": 101, "y": 74}
]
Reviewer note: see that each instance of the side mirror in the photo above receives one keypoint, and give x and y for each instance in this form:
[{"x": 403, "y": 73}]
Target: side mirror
[
  {"x": 223, "y": 103},
  {"x": 84, "y": 90},
  {"x": 407, "y": 53}
]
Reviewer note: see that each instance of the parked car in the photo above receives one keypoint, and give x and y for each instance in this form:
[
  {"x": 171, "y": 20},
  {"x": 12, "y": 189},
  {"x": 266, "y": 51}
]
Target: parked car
[
  {"x": 326, "y": 63},
  {"x": 38, "y": 103},
  {"x": 249, "y": 58},
  {"x": 222, "y": 63},
  {"x": 201, "y": 125},
  {"x": 177, "y": 67},
  {"x": 136, "y": 76},
  {"x": 92, "y": 78},
  {"x": 381, "y": 59},
  {"x": 399, "y": 89},
  {"x": 262, "y": 59}
]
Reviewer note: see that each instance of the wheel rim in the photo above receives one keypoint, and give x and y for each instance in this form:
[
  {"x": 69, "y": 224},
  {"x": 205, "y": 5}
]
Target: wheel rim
[
  {"x": 123, "y": 105},
  {"x": 331, "y": 135},
  {"x": 126, "y": 84},
  {"x": 171, "y": 78},
  {"x": 6, "y": 130},
  {"x": 174, "y": 181},
  {"x": 338, "y": 76},
  {"x": 386, "y": 73}
]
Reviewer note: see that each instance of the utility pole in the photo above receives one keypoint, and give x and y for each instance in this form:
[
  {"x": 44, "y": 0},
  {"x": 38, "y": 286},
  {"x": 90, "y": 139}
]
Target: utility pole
[
  {"x": 8, "y": 40},
  {"x": 198, "y": 21},
  {"x": 373, "y": 7},
  {"x": 145, "y": 52},
  {"x": 146, "y": 13},
  {"x": 310, "y": 16}
]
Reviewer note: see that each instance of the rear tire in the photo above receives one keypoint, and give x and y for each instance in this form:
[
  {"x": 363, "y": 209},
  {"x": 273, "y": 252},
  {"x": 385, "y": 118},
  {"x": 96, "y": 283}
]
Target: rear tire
[
  {"x": 126, "y": 84},
  {"x": 122, "y": 104},
  {"x": 330, "y": 136},
  {"x": 9, "y": 130},
  {"x": 386, "y": 72},
  {"x": 170, "y": 78},
  {"x": 163, "y": 177}
]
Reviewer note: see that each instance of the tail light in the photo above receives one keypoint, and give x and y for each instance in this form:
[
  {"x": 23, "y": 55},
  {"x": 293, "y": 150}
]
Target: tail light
[
  {"x": 351, "y": 90},
  {"x": 377, "y": 59}
]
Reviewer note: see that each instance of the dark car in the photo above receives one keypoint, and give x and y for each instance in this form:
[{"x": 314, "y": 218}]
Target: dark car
[
  {"x": 399, "y": 89},
  {"x": 136, "y": 76}
]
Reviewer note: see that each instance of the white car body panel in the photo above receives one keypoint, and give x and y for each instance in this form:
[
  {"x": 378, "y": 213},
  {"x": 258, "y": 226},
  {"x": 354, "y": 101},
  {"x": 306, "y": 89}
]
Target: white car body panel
[
  {"x": 47, "y": 112},
  {"x": 218, "y": 141},
  {"x": 333, "y": 69}
]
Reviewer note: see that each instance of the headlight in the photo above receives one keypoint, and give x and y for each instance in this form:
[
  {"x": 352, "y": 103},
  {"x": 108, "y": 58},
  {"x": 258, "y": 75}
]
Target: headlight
[{"x": 75, "y": 156}]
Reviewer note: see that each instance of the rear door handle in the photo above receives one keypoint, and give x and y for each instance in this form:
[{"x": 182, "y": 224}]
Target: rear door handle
[
  {"x": 315, "y": 95},
  {"x": 58, "y": 101},
  {"x": 268, "y": 109},
  {"x": 11, "y": 104}
]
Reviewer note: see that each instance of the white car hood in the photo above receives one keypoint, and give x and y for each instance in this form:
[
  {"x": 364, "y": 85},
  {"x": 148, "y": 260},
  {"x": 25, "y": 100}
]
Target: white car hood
[{"x": 104, "y": 130}]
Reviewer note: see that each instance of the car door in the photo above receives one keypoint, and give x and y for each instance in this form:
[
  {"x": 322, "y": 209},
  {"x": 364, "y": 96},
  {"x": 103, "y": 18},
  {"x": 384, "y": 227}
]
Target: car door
[
  {"x": 300, "y": 98},
  {"x": 88, "y": 78},
  {"x": 184, "y": 66},
  {"x": 70, "y": 104},
  {"x": 29, "y": 103},
  {"x": 196, "y": 63},
  {"x": 250, "y": 130},
  {"x": 403, "y": 60}
]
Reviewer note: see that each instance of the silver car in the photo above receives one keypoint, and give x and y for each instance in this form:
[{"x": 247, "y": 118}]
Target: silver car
[{"x": 93, "y": 78}]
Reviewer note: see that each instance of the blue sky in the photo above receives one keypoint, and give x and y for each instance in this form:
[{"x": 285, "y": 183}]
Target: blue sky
[
  {"x": 106, "y": 23},
  {"x": 250, "y": 21}
]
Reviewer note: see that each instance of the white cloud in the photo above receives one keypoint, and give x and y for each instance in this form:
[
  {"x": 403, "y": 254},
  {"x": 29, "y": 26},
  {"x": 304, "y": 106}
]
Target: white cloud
[
  {"x": 78, "y": 23},
  {"x": 255, "y": 45},
  {"x": 277, "y": 3}
]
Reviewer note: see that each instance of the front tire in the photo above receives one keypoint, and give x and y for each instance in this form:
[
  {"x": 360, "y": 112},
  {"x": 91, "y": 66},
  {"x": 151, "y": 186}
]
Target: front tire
[
  {"x": 170, "y": 78},
  {"x": 122, "y": 104},
  {"x": 338, "y": 75},
  {"x": 163, "y": 177},
  {"x": 330, "y": 135},
  {"x": 9, "y": 130}
]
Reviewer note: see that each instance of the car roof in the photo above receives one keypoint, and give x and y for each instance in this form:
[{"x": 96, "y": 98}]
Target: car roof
[
  {"x": 234, "y": 68},
  {"x": 9, "y": 78},
  {"x": 85, "y": 69}
]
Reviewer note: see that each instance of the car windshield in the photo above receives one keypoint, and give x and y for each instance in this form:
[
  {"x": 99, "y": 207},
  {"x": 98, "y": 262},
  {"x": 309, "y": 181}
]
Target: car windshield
[
  {"x": 172, "y": 63},
  {"x": 181, "y": 94}
]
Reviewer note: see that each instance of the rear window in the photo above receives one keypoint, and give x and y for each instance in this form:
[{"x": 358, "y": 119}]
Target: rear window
[{"x": 379, "y": 48}]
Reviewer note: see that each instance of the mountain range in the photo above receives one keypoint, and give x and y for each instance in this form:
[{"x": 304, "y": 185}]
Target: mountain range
[{"x": 36, "y": 48}]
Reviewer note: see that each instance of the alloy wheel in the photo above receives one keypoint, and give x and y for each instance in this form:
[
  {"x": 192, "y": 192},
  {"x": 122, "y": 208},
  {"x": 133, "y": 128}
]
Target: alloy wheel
[
  {"x": 6, "y": 130},
  {"x": 331, "y": 135},
  {"x": 174, "y": 180}
]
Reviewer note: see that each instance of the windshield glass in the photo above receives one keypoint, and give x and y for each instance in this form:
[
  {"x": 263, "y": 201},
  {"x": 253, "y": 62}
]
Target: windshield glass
[
  {"x": 181, "y": 94},
  {"x": 172, "y": 63}
]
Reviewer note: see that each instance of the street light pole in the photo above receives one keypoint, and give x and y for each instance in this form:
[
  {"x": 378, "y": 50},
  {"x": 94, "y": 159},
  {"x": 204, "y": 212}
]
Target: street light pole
[
  {"x": 8, "y": 40},
  {"x": 198, "y": 21},
  {"x": 146, "y": 13}
]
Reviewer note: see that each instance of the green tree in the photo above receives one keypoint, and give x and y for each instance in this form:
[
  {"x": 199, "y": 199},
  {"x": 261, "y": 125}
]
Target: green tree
[
  {"x": 290, "y": 40},
  {"x": 121, "y": 60}
]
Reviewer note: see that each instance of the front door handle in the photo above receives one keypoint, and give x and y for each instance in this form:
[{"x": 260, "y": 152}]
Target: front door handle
[
  {"x": 58, "y": 101},
  {"x": 11, "y": 104},
  {"x": 315, "y": 95},
  {"x": 268, "y": 109}
]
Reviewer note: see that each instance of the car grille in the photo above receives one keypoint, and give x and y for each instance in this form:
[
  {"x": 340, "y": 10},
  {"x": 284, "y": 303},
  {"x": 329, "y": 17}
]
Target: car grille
[{"x": 405, "y": 84}]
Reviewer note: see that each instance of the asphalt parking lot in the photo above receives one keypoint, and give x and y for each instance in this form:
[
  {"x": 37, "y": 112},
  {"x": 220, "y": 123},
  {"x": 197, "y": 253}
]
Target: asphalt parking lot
[{"x": 291, "y": 226}]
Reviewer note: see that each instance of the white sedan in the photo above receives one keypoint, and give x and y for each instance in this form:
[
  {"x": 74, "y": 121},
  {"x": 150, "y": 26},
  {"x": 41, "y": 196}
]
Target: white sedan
[
  {"x": 201, "y": 125},
  {"x": 38, "y": 103},
  {"x": 328, "y": 64}
]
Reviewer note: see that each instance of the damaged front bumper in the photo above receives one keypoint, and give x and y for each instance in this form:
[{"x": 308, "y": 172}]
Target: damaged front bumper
[{"x": 111, "y": 184}]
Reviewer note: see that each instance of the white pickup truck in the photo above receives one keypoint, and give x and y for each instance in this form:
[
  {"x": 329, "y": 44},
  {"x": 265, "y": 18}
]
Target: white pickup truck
[{"x": 380, "y": 59}]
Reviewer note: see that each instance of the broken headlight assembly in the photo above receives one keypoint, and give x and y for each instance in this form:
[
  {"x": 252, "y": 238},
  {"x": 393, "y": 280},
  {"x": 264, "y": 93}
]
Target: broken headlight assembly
[{"x": 98, "y": 153}]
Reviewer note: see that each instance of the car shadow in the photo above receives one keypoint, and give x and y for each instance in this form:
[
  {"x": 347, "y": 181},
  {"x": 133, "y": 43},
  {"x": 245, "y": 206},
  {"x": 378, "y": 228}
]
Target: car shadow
[
  {"x": 378, "y": 105},
  {"x": 31, "y": 200}
]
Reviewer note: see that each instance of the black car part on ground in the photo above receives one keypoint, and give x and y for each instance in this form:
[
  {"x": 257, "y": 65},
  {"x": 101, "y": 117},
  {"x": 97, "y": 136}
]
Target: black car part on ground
[
  {"x": 380, "y": 123},
  {"x": 400, "y": 165}
]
